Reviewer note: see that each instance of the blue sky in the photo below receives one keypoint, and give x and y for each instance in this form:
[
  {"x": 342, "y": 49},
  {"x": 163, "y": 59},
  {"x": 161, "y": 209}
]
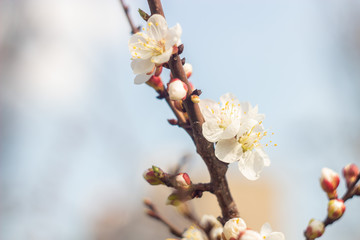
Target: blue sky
[{"x": 76, "y": 127}]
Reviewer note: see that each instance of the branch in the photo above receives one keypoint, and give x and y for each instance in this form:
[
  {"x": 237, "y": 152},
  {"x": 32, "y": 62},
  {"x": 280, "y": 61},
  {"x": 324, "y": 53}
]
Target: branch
[
  {"x": 348, "y": 194},
  {"x": 217, "y": 169},
  {"x": 132, "y": 25},
  {"x": 154, "y": 213}
]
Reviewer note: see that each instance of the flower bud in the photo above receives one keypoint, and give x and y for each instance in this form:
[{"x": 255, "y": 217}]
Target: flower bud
[
  {"x": 179, "y": 105},
  {"x": 182, "y": 180},
  {"x": 329, "y": 182},
  {"x": 350, "y": 172},
  {"x": 233, "y": 228},
  {"x": 314, "y": 229},
  {"x": 336, "y": 209},
  {"x": 177, "y": 89},
  {"x": 156, "y": 83},
  {"x": 152, "y": 177},
  {"x": 195, "y": 98},
  {"x": 188, "y": 69}
]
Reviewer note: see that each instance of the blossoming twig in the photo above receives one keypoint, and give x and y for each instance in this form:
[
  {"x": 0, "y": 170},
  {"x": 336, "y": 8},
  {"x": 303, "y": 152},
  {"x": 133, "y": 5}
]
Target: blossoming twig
[
  {"x": 351, "y": 191},
  {"x": 217, "y": 169},
  {"x": 154, "y": 213}
]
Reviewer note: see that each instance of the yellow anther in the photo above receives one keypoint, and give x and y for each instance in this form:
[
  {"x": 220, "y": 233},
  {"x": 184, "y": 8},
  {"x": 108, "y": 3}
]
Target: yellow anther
[
  {"x": 266, "y": 144},
  {"x": 134, "y": 47},
  {"x": 244, "y": 112},
  {"x": 157, "y": 24},
  {"x": 272, "y": 133},
  {"x": 275, "y": 144},
  {"x": 270, "y": 141},
  {"x": 143, "y": 29},
  {"x": 212, "y": 110},
  {"x": 260, "y": 122}
]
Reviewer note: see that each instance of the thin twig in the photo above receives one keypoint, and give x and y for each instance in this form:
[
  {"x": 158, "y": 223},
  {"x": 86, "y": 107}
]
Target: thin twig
[
  {"x": 348, "y": 194},
  {"x": 132, "y": 25},
  {"x": 154, "y": 213}
]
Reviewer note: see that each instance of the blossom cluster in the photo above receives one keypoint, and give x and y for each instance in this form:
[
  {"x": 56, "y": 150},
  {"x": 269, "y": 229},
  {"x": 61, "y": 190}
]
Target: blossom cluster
[
  {"x": 234, "y": 229},
  {"x": 237, "y": 129}
]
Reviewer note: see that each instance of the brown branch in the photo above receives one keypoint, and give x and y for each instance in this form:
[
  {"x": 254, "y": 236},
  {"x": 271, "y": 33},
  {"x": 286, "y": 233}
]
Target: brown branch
[
  {"x": 132, "y": 25},
  {"x": 348, "y": 194},
  {"x": 154, "y": 213},
  {"x": 217, "y": 169}
]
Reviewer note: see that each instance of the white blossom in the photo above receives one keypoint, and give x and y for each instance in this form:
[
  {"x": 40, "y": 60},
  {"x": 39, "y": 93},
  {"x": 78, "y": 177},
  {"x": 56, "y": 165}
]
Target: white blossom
[
  {"x": 153, "y": 47},
  {"x": 250, "y": 235},
  {"x": 222, "y": 120},
  {"x": 267, "y": 233},
  {"x": 237, "y": 129}
]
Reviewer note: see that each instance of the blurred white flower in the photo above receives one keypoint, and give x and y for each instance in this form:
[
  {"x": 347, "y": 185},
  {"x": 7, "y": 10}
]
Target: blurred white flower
[
  {"x": 233, "y": 228},
  {"x": 153, "y": 47},
  {"x": 193, "y": 233},
  {"x": 267, "y": 233},
  {"x": 250, "y": 235}
]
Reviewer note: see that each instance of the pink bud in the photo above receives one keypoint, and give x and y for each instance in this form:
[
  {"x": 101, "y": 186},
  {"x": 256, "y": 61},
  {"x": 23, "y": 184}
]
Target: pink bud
[
  {"x": 182, "y": 180},
  {"x": 156, "y": 83},
  {"x": 314, "y": 229},
  {"x": 153, "y": 176},
  {"x": 329, "y": 182},
  {"x": 177, "y": 89},
  {"x": 336, "y": 208},
  {"x": 350, "y": 172}
]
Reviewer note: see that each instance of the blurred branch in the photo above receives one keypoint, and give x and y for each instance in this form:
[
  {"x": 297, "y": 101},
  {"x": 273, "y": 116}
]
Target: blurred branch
[
  {"x": 132, "y": 25},
  {"x": 154, "y": 213}
]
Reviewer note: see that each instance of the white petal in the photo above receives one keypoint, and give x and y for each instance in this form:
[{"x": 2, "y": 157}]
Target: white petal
[
  {"x": 162, "y": 58},
  {"x": 141, "y": 78},
  {"x": 228, "y": 150},
  {"x": 276, "y": 236},
  {"x": 157, "y": 27},
  {"x": 227, "y": 97},
  {"x": 250, "y": 235},
  {"x": 231, "y": 130},
  {"x": 140, "y": 66},
  {"x": 265, "y": 230},
  {"x": 251, "y": 164},
  {"x": 173, "y": 36},
  {"x": 211, "y": 131},
  {"x": 264, "y": 156},
  {"x": 209, "y": 109},
  {"x": 135, "y": 39}
]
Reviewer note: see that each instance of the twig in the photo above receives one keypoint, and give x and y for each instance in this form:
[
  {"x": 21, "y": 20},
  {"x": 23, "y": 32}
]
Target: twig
[
  {"x": 154, "y": 213},
  {"x": 217, "y": 169},
  {"x": 132, "y": 25},
  {"x": 348, "y": 194}
]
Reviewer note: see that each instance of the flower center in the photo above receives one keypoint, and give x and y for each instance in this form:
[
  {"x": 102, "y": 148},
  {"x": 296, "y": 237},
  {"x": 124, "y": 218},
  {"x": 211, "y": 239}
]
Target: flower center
[
  {"x": 251, "y": 140},
  {"x": 227, "y": 114}
]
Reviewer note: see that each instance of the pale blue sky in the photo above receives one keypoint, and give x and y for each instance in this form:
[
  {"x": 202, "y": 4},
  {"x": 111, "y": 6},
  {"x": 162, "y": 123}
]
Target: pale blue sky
[{"x": 76, "y": 127}]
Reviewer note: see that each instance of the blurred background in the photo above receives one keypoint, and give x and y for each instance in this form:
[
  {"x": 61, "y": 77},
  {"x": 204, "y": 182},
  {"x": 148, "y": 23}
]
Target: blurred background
[{"x": 76, "y": 133}]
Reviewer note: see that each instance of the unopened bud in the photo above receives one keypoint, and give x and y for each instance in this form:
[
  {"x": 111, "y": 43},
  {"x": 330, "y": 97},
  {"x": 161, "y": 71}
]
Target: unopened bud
[
  {"x": 182, "y": 180},
  {"x": 314, "y": 229},
  {"x": 152, "y": 177},
  {"x": 177, "y": 89},
  {"x": 156, "y": 83},
  {"x": 195, "y": 98},
  {"x": 233, "y": 228},
  {"x": 350, "y": 172},
  {"x": 188, "y": 69},
  {"x": 329, "y": 182},
  {"x": 336, "y": 209}
]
